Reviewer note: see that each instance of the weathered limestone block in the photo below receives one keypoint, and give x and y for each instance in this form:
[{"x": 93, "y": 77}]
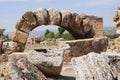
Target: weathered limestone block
[
  {"x": 54, "y": 16},
  {"x": 117, "y": 42},
  {"x": 117, "y": 18},
  {"x": 49, "y": 62},
  {"x": 86, "y": 25},
  {"x": 27, "y": 22},
  {"x": 38, "y": 39},
  {"x": 114, "y": 61},
  {"x": 1, "y": 37},
  {"x": 1, "y": 31},
  {"x": 118, "y": 30},
  {"x": 76, "y": 23},
  {"x": 1, "y": 42},
  {"x": 94, "y": 67},
  {"x": 19, "y": 36},
  {"x": 84, "y": 46},
  {"x": 42, "y": 16},
  {"x": 66, "y": 19},
  {"x": 3, "y": 58},
  {"x": 21, "y": 69},
  {"x": 10, "y": 47},
  {"x": 97, "y": 26},
  {"x": 77, "y": 19},
  {"x": 30, "y": 18},
  {"x": 67, "y": 50},
  {"x": 22, "y": 25},
  {"x": 4, "y": 72}
]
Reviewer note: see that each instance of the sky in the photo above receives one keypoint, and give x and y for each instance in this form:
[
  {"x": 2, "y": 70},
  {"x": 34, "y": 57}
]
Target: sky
[{"x": 12, "y": 10}]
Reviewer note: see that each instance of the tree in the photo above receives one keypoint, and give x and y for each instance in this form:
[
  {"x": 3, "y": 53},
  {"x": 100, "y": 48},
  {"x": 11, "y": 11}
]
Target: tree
[
  {"x": 46, "y": 32},
  {"x": 58, "y": 35},
  {"x": 61, "y": 30},
  {"x": 50, "y": 35}
]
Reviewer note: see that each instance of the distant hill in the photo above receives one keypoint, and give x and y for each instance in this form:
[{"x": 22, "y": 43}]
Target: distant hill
[
  {"x": 33, "y": 33},
  {"x": 41, "y": 33},
  {"x": 107, "y": 30},
  {"x": 110, "y": 30}
]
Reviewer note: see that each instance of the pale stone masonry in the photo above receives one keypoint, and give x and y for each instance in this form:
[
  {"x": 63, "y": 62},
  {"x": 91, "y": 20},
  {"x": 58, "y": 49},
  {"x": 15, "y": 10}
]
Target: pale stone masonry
[
  {"x": 76, "y": 48},
  {"x": 117, "y": 23},
  {"x": 1, "y": 38},
  {"x": 80, "y": 26}
]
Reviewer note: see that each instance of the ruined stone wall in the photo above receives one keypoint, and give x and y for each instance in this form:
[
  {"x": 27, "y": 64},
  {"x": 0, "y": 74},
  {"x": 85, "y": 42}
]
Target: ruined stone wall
[
  {"x": 117, "y": 23},
  {"x": 76, "y": 48},
  {"x": 97, "y": 24},
  {"x": 1, "y": 38}
]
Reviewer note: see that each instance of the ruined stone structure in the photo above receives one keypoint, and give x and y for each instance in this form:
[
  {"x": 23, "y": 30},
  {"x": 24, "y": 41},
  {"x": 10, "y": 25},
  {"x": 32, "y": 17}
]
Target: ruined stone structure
[
  {"x": 80, "y": 26},
  {"x": 1, "y": 38},
  {"x": 117, "y": 23},
  {"x": 76, "y": 48}
]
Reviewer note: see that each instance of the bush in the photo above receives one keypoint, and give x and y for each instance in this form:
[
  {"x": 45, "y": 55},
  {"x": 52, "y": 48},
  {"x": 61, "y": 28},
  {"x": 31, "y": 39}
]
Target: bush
[
  {"x": 8, "y": 40},
  {"x": 58, "y": 35},
  {"x": 112, "y": 36},
  {"x": 50, "y": 35},
  {"x": 46, "y": 32},
  {"x": 61, "y": 30},
  {"x": 68, "y": 36}
]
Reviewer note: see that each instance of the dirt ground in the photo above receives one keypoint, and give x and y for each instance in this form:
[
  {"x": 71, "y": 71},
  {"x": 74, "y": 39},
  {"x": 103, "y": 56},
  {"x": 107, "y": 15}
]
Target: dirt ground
[{"x": 67, "y": 73}]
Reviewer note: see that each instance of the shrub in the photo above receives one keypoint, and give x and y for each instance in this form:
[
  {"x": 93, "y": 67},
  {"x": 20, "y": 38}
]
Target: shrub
[
  {"x": 50, "y": 35},
  {"x": 46, "y": 32},
  {"x": 8, "y": 40},
  {"x": 58, "y": 35},
  {"x": 67, "y": 36},
  {"x": 61, "y": 30}
]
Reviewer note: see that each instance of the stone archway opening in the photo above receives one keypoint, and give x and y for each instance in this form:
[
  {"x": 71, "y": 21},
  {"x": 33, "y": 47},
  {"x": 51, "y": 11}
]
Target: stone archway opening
[
  {"x": 80, "y": 26},
  {"x": 38, "y": 40}
]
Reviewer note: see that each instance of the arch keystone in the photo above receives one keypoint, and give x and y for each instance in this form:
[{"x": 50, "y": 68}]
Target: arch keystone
[
  {"x": 54, "y": 16},
  {"x": 42, "y": 16}
]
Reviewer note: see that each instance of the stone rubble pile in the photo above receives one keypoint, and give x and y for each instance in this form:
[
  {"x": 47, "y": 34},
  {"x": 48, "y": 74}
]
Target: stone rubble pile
[{"x": 33, "y": 65}]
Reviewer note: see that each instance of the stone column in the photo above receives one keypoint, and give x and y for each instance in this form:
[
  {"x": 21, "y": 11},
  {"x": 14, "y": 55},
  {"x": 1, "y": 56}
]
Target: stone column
[{"x": 117, "y": 23}]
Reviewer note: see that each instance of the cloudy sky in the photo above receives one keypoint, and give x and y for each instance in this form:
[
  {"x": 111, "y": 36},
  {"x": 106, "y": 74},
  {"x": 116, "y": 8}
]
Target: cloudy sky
[{"x": 12, "y": 10}]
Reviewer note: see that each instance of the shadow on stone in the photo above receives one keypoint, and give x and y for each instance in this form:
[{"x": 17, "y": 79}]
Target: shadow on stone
[
  {"x": 41, "y": 50},
  {"x": 60, "y": 77}
]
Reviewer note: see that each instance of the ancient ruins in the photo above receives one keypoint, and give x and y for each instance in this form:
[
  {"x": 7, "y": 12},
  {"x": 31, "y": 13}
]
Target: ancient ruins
[
  {"x": 80, "y": 26},
  {"x": 117, "y": 23},
  {"x": 1, "y": 38},
  {"x": 38, "y": 64}
]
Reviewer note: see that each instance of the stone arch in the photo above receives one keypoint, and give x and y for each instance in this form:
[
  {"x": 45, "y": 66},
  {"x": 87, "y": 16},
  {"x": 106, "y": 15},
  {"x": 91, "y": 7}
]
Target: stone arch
[{"x": 80, "y": 26}]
